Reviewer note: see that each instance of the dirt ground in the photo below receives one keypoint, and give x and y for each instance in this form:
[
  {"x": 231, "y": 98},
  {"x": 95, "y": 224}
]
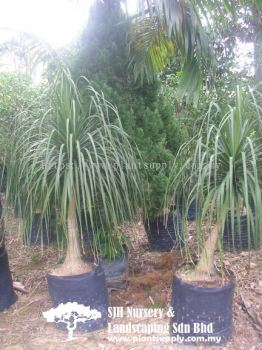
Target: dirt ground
[{"x": 23, "y": 327}]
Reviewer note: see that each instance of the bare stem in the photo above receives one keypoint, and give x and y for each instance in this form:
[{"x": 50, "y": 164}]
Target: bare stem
[
  {"x": 73, "y": 264},
  {"x": 206, "y": 262},
  {"x": 73, "y": 254},
  {"x": 205, "y": 268}
]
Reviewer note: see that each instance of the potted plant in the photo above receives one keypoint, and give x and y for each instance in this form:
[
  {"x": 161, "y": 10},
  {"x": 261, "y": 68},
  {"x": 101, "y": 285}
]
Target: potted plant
[
  {"x": 162, "y": 236},
  {"x": 223, "y": 173},
  {"x": 7, "y": 294},
  {"x": 72, "y": 158}
]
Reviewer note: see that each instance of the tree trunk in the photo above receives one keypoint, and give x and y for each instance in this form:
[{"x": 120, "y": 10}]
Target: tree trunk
[
  {"x": 205, "y": 268},
  {"x": 205, "y": 265},
  {"x": 73, "y": 264},
  {"x": 73, "y": 254}
]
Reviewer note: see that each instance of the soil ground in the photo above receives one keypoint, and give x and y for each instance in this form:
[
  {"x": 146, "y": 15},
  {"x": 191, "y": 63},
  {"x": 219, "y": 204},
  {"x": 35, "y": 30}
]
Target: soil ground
[{"x": 23, "y": 327}]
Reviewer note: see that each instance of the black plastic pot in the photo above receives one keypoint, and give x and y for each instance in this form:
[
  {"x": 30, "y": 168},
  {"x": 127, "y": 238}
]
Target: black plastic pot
[
  {"x": 240, "y": 240},
  {"x": 87, "y": 232},
  {"x": 116, "y": 272},
  {"x": 88, "y": 289},
  {"x": 201, "y": 312},
  {"x": 7, "y": 294},
  {"x": 34, "y": 237},
  {"x": 192, "y": 210},
  {"x": 163, "y": 238}
]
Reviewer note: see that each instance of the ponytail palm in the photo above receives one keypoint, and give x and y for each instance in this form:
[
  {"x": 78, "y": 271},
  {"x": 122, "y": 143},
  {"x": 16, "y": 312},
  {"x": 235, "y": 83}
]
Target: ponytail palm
[
  {"x": 223, "y": 174},
  {"x": 74, "y": 157}
]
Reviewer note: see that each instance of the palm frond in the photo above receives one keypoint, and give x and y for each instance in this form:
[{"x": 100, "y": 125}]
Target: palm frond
[{"x": 169, "y": 29}]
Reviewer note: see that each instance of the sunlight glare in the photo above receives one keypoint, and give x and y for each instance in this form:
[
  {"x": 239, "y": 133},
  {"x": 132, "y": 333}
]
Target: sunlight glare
[{"x": 56, "y": 21}]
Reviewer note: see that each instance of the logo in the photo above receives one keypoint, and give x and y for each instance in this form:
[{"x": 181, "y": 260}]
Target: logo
[{"x": 71, "y": 314}]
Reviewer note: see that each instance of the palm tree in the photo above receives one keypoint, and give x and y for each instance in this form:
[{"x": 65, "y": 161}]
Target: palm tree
[
  {"x": 223, "y": 175},
  {"x": 167, "y": 29},
  {"x": 71, "y": 158}
]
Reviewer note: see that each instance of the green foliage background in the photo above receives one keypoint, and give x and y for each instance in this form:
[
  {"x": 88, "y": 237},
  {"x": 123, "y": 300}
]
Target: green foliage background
[
  {"x": 146, "y": 113},
  {"x": 18, "y": 98}
]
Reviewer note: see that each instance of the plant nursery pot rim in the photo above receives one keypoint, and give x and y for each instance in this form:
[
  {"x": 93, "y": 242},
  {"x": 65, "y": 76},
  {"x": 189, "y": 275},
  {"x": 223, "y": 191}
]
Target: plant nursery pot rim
[
  {"x": 228, "y": 285},
  {"x": 50, "y": 275}
]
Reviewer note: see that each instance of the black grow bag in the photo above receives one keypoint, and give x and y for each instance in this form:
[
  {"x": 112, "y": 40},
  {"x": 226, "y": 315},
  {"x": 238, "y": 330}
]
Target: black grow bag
[
  {"x": 88, "y": 289},
  {"x": 116, "y": 272},
  {"x": 34, "y": 237},
  {"x": 163, "y": 238},
  {"x": 192, "y": 210},
  {"x": 7, "y": 294},
  {"x": 240, "y": 240},
  {"x": 85, "y": 227},
  {"x": 197, "y": 307}
]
